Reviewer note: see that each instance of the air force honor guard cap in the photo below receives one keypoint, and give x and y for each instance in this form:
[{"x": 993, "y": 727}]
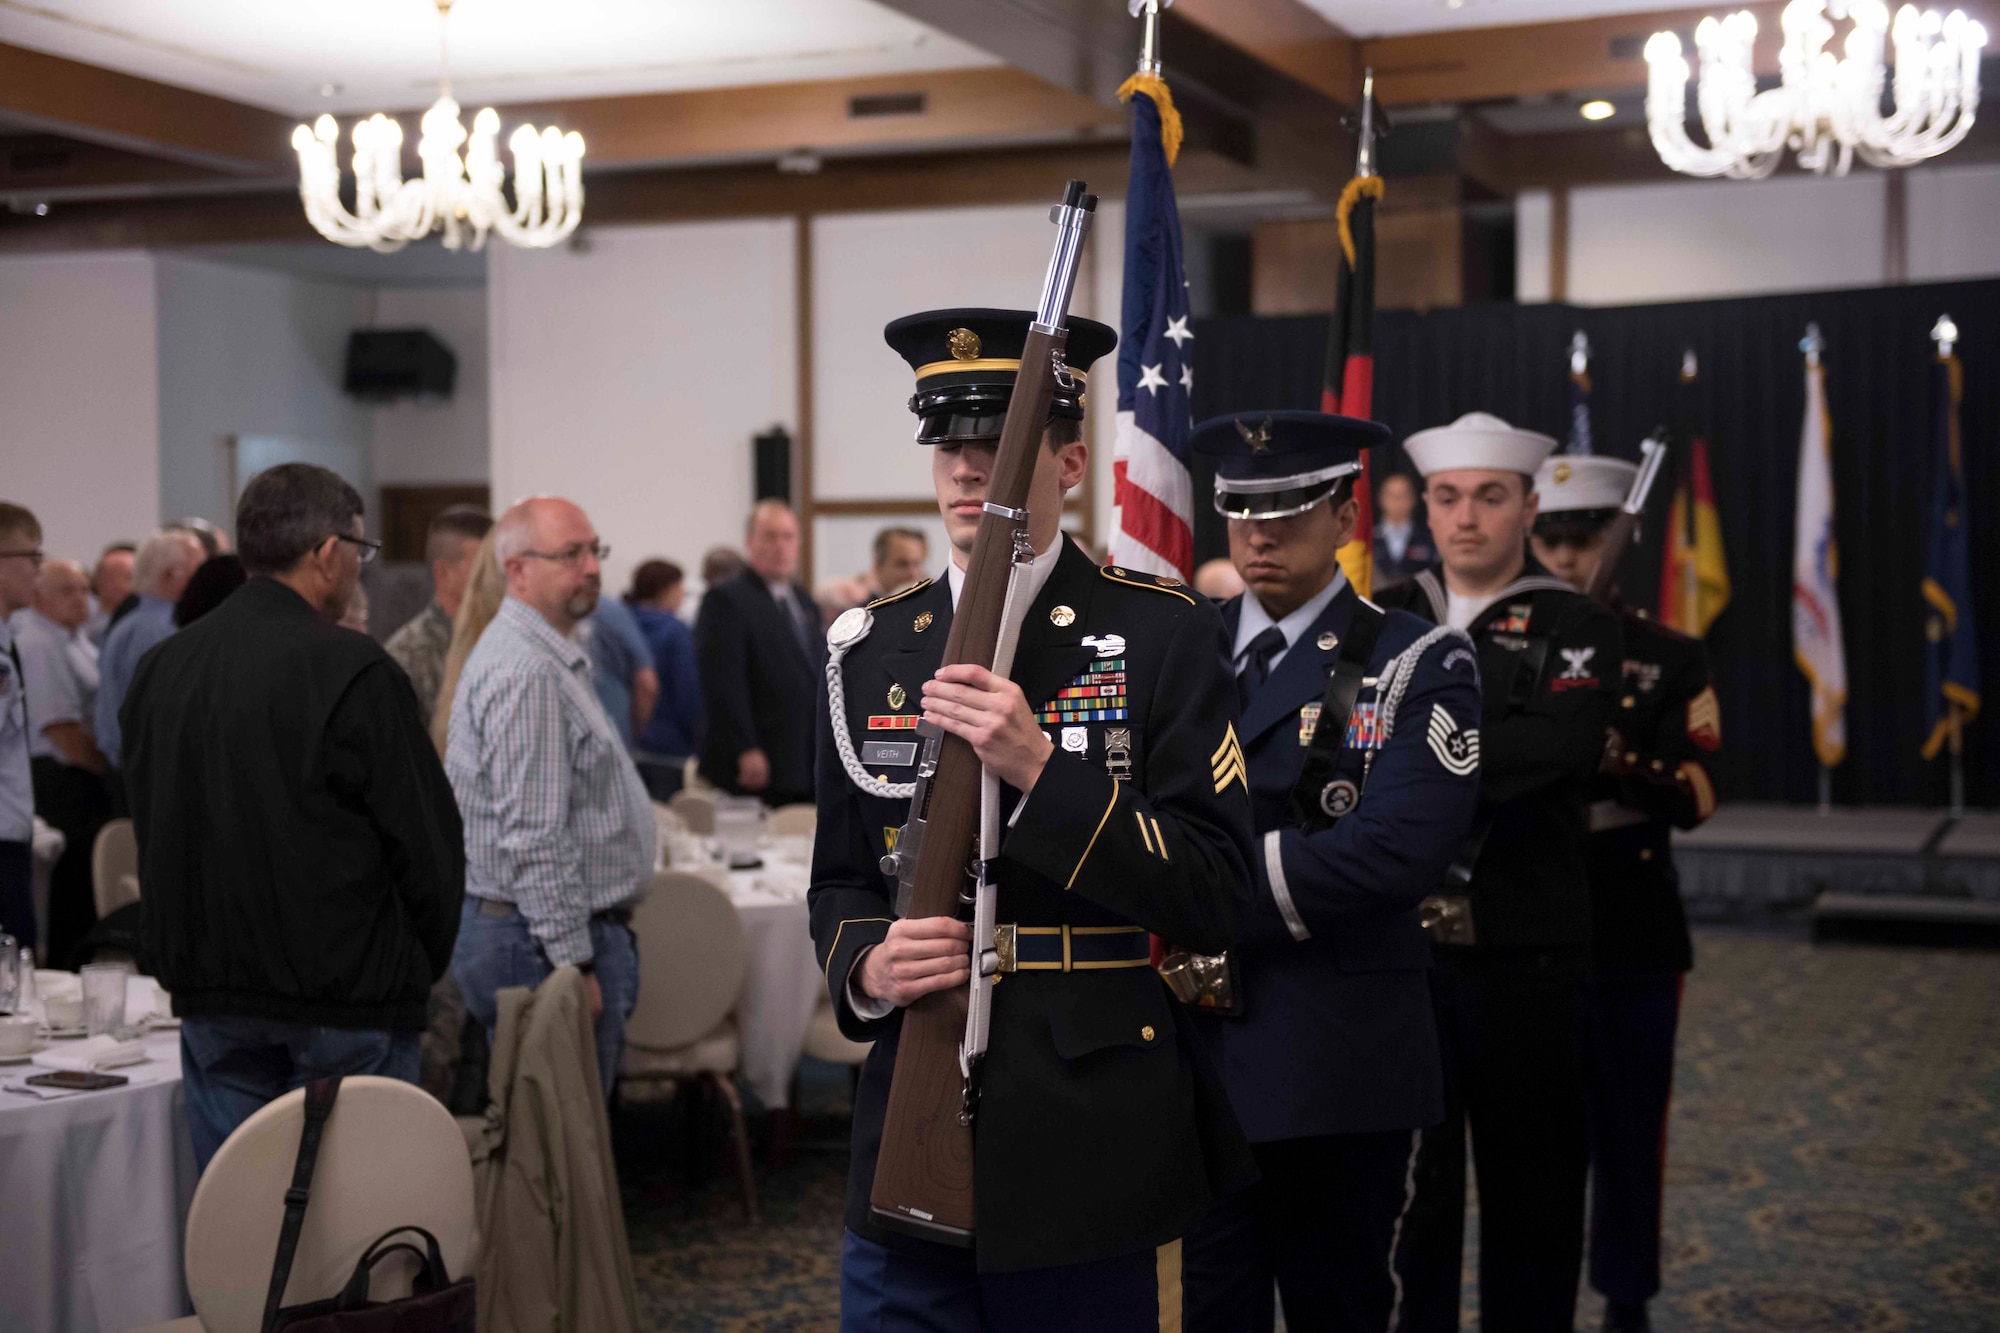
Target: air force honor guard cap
[
  {"x": 1275, "y": 464},
  {"x": 1478, "y": 440},
  {"x": 1581, "y": 494},
  {"x": 966, "y": 363}
]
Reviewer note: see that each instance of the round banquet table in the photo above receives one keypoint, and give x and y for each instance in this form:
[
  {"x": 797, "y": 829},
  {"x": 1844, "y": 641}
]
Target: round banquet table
[
  {"x": 781, "y": 984},
  {"x": 94, "y": 1193}
]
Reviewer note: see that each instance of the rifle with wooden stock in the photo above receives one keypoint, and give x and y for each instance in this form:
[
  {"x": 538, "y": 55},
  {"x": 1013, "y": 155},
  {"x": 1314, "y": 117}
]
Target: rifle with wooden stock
[
  {"x": 942, "y": 856},
  {"x": 1623, "y": 530}
]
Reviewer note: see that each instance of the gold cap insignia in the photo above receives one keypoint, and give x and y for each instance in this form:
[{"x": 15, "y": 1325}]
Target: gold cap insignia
[
  {"x": 1328, "y": 641},
  {"x": 896, "y": 696},
  {"x": 1562, "y": 473},
  {"x": 1259, "y": 439},
  {"x": 964, "y": 344},
  {"x": 923, "y": 622},
  {"x": 1062, "y": 617}
]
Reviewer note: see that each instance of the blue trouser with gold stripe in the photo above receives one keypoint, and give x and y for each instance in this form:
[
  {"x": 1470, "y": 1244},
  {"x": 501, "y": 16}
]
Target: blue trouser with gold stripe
[{"x": 882, "y": 1291}]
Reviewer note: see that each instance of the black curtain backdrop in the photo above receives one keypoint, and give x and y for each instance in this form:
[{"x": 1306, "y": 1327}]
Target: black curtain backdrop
[{"x": 1749, "y": 402}]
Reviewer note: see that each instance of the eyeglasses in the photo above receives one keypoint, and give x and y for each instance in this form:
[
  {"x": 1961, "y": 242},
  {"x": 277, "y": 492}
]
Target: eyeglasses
[
  {"x": 34, "y": 555},
  {"x": 369, "y": 550},
  {"x": 572, "y": 554}
]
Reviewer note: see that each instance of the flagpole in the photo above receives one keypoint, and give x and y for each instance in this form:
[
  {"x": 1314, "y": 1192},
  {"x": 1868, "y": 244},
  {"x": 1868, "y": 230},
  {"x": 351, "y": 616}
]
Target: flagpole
[
  {"x": 1945, "y": 334},
  {"x": 1811, "y": 345},
  {"x": 1149, "y": 42},
  {"x": 1690, "y": 571}
]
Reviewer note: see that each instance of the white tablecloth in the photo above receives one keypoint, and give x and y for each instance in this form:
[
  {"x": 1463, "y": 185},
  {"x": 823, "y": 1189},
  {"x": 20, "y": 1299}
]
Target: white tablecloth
[
  {"x": 782, "y": 982},
  {"x": 94, "y": 1191}
]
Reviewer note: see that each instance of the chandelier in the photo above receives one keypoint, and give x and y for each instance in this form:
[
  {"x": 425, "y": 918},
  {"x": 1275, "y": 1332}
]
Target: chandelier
[
  {"x": 1827, "y": 109},
  {"x": 458, "y": 193}
]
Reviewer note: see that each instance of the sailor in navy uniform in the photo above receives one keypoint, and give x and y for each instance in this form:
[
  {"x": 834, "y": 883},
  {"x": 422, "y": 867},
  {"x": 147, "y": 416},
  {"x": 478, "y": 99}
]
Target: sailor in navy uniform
[
  {"x": 1102, "y": 1132},
  {"x": 1332, "y": 1061},
  {"x": 1513, "y": 934},
  {"x": 1653, "y": 779}
]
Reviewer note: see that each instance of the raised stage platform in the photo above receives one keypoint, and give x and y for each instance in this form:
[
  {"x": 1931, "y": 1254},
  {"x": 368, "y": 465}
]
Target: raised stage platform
[{"x": 1763, "y": 860}]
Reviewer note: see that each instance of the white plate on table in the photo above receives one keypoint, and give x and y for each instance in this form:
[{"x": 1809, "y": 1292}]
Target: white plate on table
[
  {"x": 64, "y": 1034},
  {"x": 19, "y": 1059}
]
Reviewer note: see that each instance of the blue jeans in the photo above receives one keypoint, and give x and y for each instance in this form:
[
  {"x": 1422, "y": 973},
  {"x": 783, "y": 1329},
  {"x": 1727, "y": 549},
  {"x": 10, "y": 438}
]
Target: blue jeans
[
  {"x": 495, "y": 952},
  {"x": 232, "y": 1066}
]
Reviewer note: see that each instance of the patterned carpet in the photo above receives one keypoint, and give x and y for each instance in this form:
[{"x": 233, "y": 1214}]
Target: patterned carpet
[{"x": 1834, "y": 1162}]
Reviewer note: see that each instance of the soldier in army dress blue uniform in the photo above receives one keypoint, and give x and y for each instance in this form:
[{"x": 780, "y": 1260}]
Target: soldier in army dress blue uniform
[
  {"x": 1653, "y": 779},
  {"x": 1332, "y": 1061},
  {"x": 1513, "y": 934},
  {"x": 1102, "y": 1132}
]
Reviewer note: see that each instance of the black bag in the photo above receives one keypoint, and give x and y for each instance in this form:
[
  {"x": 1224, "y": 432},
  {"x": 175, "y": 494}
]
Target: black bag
[{"x": 436, "y": 1303}]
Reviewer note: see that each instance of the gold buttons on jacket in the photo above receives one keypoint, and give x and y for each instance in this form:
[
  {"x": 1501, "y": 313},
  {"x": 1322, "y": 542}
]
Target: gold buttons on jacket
[{"x": 1147, "y": 1032}]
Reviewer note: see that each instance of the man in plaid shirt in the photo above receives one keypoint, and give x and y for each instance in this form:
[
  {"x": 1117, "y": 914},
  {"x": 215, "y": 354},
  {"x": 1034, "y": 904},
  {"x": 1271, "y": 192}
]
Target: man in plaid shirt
[{"x": 559, "y": 836}]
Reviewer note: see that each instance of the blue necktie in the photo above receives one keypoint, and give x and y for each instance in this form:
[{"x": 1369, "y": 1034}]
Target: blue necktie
[{"x": 1257, "y": 665}]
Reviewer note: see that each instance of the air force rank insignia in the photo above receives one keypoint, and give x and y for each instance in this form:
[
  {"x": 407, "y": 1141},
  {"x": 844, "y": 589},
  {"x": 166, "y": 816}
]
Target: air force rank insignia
[{"x": 1456, "y": 747}]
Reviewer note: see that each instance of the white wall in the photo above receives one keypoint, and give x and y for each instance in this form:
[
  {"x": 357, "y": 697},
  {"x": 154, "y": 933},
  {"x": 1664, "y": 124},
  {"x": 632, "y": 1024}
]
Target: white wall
[
  {"x": 1690, "y": 239},
  {"x": 79, "y": 397},
  {"x": 443, "y": 443},
  {"x": 1954, "y": 223},
  {"x": 632, "y": 377},
  {"x": 250, "y": 351}
]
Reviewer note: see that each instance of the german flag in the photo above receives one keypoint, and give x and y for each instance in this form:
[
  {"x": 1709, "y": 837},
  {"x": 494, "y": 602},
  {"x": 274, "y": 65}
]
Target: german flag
[
  {"x": 1694, "y": 578},
  {"x": 1348, "y": 387}
]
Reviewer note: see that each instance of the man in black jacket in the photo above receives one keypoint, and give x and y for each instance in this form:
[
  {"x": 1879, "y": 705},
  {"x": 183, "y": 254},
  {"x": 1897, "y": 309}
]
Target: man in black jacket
[
  {"x": 760, "y": 649},
  {"x": 300, "y": 849}
]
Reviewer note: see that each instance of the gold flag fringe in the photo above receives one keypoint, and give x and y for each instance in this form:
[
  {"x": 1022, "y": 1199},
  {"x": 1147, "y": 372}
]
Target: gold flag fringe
[
  {"x": 1349, "y": 197},
  {"x": 1155, "y": 87}
]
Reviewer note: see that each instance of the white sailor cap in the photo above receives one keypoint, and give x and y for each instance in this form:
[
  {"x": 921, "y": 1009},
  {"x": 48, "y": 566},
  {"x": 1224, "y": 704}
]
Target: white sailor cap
[
  {"x": 1478, "y": 440},
  {"x": 1583, "y": 486}
]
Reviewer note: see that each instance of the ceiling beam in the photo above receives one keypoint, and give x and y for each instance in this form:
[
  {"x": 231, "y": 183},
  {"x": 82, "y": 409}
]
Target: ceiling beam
[
  {"x": 1287, "y": 36},
  {"x": 122, "y": 111},
  {"x": 766, "y": 120}
]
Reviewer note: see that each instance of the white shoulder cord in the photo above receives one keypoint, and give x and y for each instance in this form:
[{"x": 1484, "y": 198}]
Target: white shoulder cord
[
  {"x": 1400, "y": 670},
  {"x": 836, "y": 702}
]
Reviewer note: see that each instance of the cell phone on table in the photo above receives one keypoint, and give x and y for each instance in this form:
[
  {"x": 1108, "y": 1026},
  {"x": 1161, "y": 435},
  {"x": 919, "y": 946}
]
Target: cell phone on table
[{"x": 76, "y": 1080}]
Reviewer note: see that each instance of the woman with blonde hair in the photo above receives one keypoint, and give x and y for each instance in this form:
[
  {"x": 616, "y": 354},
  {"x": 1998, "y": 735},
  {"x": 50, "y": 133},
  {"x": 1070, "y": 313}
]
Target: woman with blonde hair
[{"x": 485, "y": 589}]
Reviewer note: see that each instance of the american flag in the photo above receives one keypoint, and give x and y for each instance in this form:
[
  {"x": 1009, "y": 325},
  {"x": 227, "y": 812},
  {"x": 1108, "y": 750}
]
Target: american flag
[{"x": 1154, "y": 492}]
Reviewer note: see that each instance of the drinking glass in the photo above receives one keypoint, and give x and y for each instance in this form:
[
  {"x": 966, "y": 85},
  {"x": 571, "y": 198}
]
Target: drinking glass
[
  {"x": 104, "y": 998},
  {"x": 738, "y": 825}
]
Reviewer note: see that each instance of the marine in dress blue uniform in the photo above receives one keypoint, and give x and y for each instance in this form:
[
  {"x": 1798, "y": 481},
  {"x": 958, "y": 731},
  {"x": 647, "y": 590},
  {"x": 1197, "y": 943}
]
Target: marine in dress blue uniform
[
  {"x": 1513, "y": 934},
  {"x": 1332, "y": 1062},
  {"x": 1654, "y": 778},
  {"x": 1102, "y": 1130}
]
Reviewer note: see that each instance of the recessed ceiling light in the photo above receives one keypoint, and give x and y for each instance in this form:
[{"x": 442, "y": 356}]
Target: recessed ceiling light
[{"x": 1599, "y": 110}]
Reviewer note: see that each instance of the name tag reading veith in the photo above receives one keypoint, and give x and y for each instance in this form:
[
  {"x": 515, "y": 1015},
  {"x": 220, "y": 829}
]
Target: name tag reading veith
[{"x": 893, "y": 754}]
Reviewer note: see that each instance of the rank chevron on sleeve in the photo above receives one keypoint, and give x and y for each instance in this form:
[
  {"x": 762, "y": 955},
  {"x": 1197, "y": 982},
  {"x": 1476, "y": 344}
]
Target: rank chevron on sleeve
[
  {"x": 1456, "y": 748},
  {"x": 1227, "y": 762}
]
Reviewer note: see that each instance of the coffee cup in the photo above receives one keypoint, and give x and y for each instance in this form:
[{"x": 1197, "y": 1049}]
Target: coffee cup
[
  {"x": 17, "y": 1037},
  {"x": 63, "y": 1011}
]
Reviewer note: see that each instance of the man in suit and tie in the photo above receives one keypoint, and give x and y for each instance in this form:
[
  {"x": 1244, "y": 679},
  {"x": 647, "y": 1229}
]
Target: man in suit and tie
[
  {"x": 1361, "y": 732},
  {"x": 760, "y": 649}
]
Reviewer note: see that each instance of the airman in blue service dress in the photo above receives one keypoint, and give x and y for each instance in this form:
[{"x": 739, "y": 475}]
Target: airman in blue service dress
[
  {"x": 1512, "y": 936},
  {"x": 1102, "y": 1130},
  {"x": 1332, "y": 1061},
  {"x": 1654, "y": 778}
]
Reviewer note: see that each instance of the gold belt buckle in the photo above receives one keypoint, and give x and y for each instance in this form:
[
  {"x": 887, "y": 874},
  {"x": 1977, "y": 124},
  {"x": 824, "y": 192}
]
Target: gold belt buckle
[
  {"x": 1003, "y": 945},
  {"x": 1447, "y": 918}
]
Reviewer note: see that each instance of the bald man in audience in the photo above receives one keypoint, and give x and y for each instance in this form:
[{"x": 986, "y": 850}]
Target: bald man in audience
[
  {"x": 559, "y": 835},
  {"x": 60, "y": 666},
  {"x": 165, "y": 563},
  {"x": 1218, "y": 580},
  {"x": 761, "y": 651}
]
